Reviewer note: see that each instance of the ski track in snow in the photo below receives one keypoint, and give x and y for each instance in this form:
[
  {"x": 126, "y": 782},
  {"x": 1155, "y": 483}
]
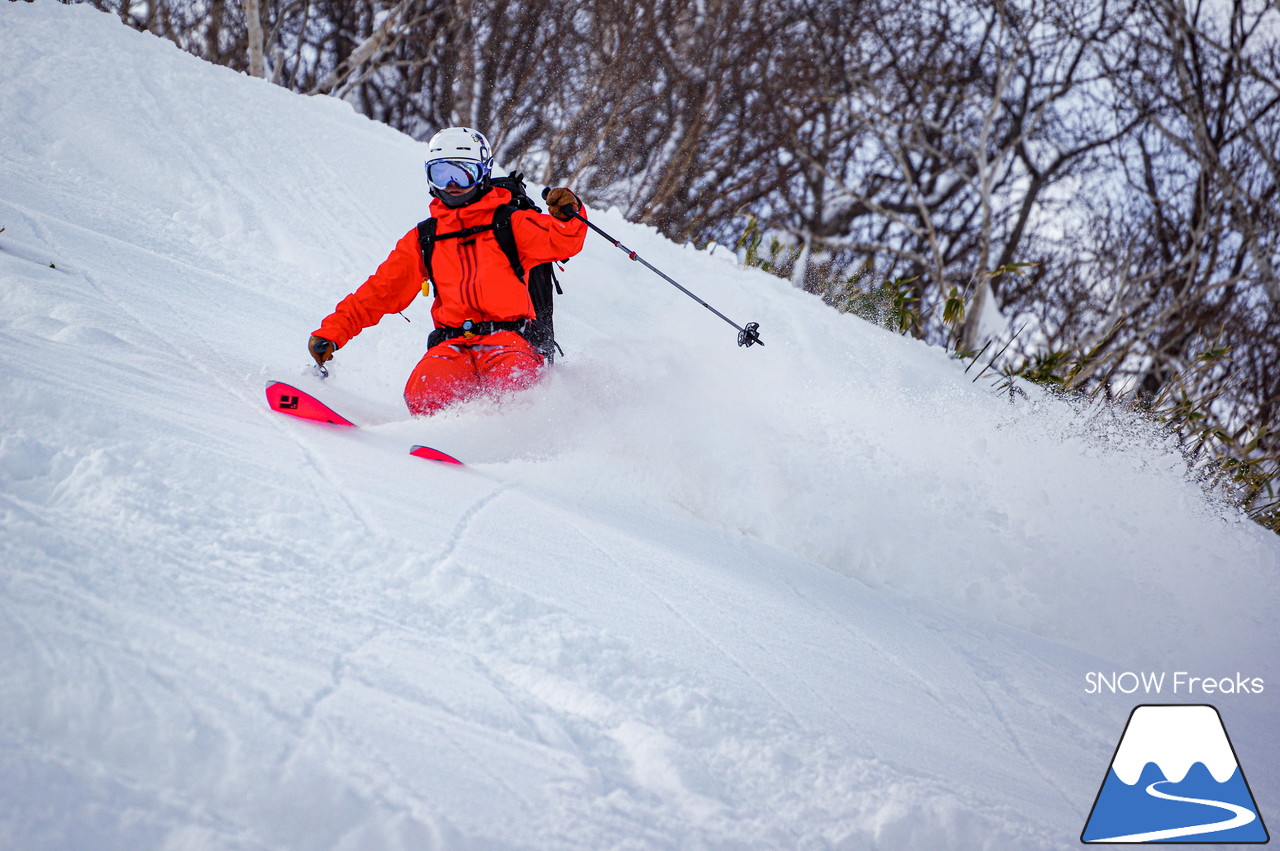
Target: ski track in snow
[
  {"x": 828, "y": 594},
  {"x": 702, "y": 634}
]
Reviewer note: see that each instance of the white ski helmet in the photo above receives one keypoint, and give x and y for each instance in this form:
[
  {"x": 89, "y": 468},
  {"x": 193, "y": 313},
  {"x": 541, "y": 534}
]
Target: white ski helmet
[{"x": 458, "y": 158}]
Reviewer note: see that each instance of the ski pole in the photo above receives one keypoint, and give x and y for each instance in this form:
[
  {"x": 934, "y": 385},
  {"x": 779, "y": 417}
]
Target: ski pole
[{"x": 747, "y": 336}]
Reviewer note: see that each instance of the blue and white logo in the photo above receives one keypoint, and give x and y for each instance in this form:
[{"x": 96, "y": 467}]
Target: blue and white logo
[{"x": 1175, "y": 778}]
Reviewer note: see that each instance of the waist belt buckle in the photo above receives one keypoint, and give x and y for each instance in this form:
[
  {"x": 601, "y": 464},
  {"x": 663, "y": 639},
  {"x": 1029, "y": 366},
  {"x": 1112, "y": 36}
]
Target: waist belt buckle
[{"x": 466, "y": 329}]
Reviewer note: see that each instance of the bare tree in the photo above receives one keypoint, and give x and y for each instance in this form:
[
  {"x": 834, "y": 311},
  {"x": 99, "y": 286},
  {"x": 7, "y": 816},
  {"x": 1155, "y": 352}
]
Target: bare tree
[
  {"x": 951, "y": 130},
  {"x": 1192, "y": 238}
]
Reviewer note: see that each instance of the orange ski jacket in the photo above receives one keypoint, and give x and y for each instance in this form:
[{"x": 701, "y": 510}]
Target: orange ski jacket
[{"x": 473, "y": 278}]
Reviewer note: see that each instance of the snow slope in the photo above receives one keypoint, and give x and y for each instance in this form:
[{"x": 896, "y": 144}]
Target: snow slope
[{"x": 827, "y": 593}]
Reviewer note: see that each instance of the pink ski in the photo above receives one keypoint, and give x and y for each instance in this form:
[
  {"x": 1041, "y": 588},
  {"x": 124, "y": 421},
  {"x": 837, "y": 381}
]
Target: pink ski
[
  {"x": 288, "y": 399},
  {"x": 433, "y": 455}
]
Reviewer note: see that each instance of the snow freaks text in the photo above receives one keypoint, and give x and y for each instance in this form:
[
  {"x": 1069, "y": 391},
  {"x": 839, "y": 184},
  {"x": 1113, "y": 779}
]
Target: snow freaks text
[{"x": 1175, "y": 683}]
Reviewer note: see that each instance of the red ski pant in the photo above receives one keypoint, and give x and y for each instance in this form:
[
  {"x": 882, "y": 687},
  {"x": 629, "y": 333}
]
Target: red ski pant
[{"x": 457, "y": 370}]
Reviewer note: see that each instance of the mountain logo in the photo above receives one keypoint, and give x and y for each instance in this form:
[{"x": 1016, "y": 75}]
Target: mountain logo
[{"x": 1175, "y": 778}]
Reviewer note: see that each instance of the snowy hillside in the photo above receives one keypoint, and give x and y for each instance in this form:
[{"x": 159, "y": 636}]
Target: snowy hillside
[{"x": 825, "y": 593}]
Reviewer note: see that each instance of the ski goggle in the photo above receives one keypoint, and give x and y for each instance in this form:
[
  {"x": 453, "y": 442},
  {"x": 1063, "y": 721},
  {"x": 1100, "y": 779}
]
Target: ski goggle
[{"x": 442, "y": 173}]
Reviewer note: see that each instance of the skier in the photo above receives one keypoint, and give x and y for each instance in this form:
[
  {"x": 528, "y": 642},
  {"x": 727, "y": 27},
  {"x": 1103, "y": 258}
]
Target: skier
[{"x": 481, "y": 304}]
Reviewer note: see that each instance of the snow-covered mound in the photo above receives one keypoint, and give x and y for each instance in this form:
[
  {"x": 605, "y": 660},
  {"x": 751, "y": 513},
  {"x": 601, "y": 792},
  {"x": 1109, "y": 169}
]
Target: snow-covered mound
[{"x": 822, "y": 593}]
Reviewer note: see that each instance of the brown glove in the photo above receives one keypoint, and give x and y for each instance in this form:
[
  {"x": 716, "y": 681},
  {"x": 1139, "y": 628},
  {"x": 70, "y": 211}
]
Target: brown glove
[
  {"x": 562, "y": 204},
  {"x": 321, "y": 349}
]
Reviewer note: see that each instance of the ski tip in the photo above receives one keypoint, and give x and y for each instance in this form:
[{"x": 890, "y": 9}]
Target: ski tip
[
  {"x": 275, "y": 387},
  {"x": 434, "y": 455}
]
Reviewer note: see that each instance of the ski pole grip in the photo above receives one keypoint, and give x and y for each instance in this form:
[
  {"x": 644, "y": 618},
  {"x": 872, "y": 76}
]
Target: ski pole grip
[{"x": 573, "y": 214}]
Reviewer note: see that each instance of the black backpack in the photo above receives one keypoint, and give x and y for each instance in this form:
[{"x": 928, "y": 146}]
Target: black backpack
[{"x": 540, "y": 280}]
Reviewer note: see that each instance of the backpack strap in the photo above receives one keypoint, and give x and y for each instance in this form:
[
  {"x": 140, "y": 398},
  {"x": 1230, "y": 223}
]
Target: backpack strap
[
  {"x": 502, "y": 232},
  {"x": 506, "y": 236},
  {"x": 465, "y": 233},
  {"x": 501, "y": 227},
  {"x": 426, "y": 244}
]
